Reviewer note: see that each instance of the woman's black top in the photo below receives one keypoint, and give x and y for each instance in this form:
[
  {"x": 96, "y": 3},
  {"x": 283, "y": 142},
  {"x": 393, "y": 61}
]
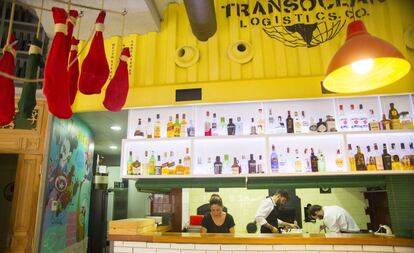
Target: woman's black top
[{"x": 211, "y": 227}]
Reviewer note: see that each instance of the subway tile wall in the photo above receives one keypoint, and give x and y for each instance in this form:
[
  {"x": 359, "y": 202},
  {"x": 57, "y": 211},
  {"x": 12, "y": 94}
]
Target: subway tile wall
[{"x": 127, "y": 247}]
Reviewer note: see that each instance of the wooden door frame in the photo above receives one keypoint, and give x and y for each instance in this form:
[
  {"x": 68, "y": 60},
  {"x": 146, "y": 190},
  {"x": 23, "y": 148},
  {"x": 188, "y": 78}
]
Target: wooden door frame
[{"x": 31, "y": 146}]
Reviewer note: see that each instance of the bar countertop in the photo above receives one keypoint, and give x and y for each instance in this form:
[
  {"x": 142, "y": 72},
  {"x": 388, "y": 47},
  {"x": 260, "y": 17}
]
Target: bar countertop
[{"x": 346, "y": 239}]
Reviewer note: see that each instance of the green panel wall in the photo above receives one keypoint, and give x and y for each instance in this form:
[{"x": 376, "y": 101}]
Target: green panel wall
[{"x": 400, "y": 190}]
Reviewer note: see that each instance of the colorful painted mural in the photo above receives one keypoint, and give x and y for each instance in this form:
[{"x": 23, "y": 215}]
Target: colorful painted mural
[{"x": 68, "y": 186}]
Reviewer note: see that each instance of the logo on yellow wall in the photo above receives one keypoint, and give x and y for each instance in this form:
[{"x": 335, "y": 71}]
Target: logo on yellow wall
[{"x": 299, "y": 23}]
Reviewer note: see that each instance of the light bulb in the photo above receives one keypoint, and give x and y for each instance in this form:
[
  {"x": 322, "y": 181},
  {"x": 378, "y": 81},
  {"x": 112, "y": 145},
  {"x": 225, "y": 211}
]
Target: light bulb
[
  {"x": 116, "y": 128},
  {"x": 363, "y": 66},
  {"x": 113, "y": 147}
]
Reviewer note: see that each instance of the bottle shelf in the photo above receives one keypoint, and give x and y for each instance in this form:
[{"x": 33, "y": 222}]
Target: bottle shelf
[{"x": 293, "y": 149}]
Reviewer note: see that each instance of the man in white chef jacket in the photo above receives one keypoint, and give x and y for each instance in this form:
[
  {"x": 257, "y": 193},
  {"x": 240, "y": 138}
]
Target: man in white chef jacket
[{"x": 335, "y": 218}]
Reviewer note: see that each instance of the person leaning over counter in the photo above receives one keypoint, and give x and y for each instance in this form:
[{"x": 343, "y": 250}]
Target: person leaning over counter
[
  {"x": 335, "y": 218},
  {"x": 267, "y": 216},
  {"x": 217, "y": 221}
]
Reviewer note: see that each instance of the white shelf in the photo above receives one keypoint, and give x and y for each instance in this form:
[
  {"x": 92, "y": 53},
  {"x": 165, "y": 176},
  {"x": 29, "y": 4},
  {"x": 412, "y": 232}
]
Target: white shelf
[{"x": 299, "y": 174}]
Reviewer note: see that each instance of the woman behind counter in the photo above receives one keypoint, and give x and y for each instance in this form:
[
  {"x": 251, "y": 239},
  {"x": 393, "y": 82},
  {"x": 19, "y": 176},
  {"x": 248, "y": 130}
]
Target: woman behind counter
[{"x": 217, "y": 221}]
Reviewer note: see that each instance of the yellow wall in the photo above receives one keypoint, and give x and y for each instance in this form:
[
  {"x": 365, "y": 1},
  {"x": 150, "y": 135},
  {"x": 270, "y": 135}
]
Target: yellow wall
[
  {"x": 276, "y": 71},
  {"x": 242, "y": 203}
]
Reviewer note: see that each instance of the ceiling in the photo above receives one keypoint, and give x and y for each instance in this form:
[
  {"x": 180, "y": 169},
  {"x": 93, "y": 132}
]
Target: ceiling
[
  {"x": 100, "y": 123},
  {"x": 143, "y": 16}
]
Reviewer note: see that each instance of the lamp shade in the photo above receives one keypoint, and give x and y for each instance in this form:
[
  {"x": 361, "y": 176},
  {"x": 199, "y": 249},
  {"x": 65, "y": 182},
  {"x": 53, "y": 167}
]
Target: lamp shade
[{"x": 364, "y": 63}]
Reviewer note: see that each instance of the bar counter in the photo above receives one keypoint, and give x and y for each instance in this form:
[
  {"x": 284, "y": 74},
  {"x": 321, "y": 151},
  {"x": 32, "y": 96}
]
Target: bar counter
[{"x": 195, "y": 242}]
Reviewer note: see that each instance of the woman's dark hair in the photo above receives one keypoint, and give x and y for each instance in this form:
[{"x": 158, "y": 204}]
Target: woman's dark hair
[
  {"x": 215, "y": 199},
  {"x": 251, "y": 227},
  {"x": 313, "y": 209}
]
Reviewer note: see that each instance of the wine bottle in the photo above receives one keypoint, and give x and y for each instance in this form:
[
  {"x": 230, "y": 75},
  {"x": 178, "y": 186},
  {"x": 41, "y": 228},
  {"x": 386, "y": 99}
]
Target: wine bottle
[{"x": 289, "y": 124}]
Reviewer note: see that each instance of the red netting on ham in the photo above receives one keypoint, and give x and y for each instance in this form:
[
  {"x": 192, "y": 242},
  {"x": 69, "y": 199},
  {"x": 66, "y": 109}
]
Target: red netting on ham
[
  {"x": 56, "y": 86},
  {"x": 7, "y": 105},
  {"x": 73, "y": 72},
  {"x": 95, "y": 69},
  {"x": 117, "y": 90}
]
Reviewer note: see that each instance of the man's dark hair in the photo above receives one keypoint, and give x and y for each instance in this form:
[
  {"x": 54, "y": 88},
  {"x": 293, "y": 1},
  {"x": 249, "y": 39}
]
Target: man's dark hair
[
  {"x": 283, "y": 193},
  {"x": 313, "y": 209}
]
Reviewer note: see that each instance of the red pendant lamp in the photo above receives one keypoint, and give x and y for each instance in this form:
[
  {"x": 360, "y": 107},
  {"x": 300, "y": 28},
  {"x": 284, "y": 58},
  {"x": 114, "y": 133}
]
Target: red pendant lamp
[{"x": 364, "y": 63}]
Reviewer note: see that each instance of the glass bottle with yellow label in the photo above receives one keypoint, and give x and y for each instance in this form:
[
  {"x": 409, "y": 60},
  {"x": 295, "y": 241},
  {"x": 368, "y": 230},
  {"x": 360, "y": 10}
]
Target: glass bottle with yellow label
[
  {"x": 183, "y": 126},
  {"x": 179, "y": 169},
  {"x": 164, "y": 166},
  {"x": 151, "y": 168},
  {"x": 187, "y": 162},
  {"x": 157, "y": 127},
  {"x": 170, "y": 127},
  {"x": 371, "y": 165},
  {"x": 396, "y": 163},
  {"x": 351, "y": 158},
  {"x": 360, "y": 160},
  {"x": 177, "y": 126},
  {"x": 339, "y": 161},
  {"x": 129, "y": 163}
]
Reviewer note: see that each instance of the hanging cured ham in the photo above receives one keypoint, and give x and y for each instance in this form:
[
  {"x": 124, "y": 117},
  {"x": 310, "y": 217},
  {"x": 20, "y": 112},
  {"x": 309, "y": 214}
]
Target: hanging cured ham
[
  {"x": 7, "y": 105},
  {"x": 71, "y": 23},
  {"x": 73, "y": 72},
  {"x": 95, "y": 69},
  {"x": 56, "y": 86},
  {"x": 117, "y": 90}
]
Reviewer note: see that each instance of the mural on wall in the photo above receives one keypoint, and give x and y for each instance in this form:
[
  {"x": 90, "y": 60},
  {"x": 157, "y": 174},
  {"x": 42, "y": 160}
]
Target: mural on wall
[
  {"x": 304, "y": 23},
  {"x": 68, "y": 186}
]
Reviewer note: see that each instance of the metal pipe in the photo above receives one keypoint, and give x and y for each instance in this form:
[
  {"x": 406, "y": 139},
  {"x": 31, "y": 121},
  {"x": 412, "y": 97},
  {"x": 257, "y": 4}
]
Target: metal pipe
[{"x": 202, "y": 17}]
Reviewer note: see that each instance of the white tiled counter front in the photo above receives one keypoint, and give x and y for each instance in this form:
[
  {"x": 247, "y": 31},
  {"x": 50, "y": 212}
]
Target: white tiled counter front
[
  {"x": 143, "y": 247},
  {"x": 257, "y": 243}
]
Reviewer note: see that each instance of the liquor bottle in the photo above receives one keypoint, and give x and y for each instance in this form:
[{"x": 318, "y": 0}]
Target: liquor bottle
[
  {"x": 179, "y": 169},
  {"x": 149, "y": 129},
  {"x": 373, "y": 123},
  {"x": 386, "y": 158},
  {"x": 260, "y": 166},
  {"x": 354, "y": 119},
  {"x": 314, "y": 161},
  {"x": 253, "y": 129},
  {"x": 271, "y": 127},
  {"x": 297, "y": 123},
  {"x": 157, "y": 127},
  {"x": 207, "y": 124},
  {"x": 170, "y": 127},
  {"x": 385, "y": 123},
  {"x": 231, "y": 127},
  {"x": 145, "y": 164},
  {"x": 171, "y": 164},
  {"x": 405, "y": 159},
  {"x": 223, "y": 126},
  {"x": 261, "y": 123},
  {"x": 305, "y": 123},
  {"x": 177, "y": 126},
  {"x": 139, "y": 131},
  {"x": 313, "y": 127},
  {"x": 321, "y": 126},
  {"x": 406, "y": 121},
  {"x": 394, "y": 117},
  {"x": 151, "y": 168},
  {"x": 183, "y": 130},
  {"x": 190, "y": 129},
  {"x": 289, "y": 124},
  {"x": 359, "y": 160},
  {"x": 244, "y": 165},
  {"x": 218, "y": 166},
  {"x": 252, "y": 165},
  {"x": 280, "y": 126},
  {"x": 283, "y": 162},
  {"x": 351, "y": 158},
  {"x": 226, "y": 165},
  {"x": 339, "y": 161},
  {"x": 330, "y": 124},
  {"x": 239, "y": 126},
  {"x": 395, "y": 164},
  {"x": 235, "y": 168},
  {"x": 378, "y": 158},
  {"x": 411, "y": 155},
  {"x": 274, "y": 160},
  {"x": 164, "y": 166},
  {"x": 129, "y": 163},
  {"x": 298, "y": 161},
  {"x": 214, "y": 125},
  {"x": 321, "y": 162},
  {"x": 371, "y": 164},
  {"x": 290, "y": 161},
  {"x": 343, "y": 120},
  {"x": 136, "y": 167},
  {"x": 363, "y": 119},
  {"x": 307, "y": 165},
  {"x": 210, "y": 166},
  {"x": 158, "y": 166},
  {"x": 187, "y": 162}
]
